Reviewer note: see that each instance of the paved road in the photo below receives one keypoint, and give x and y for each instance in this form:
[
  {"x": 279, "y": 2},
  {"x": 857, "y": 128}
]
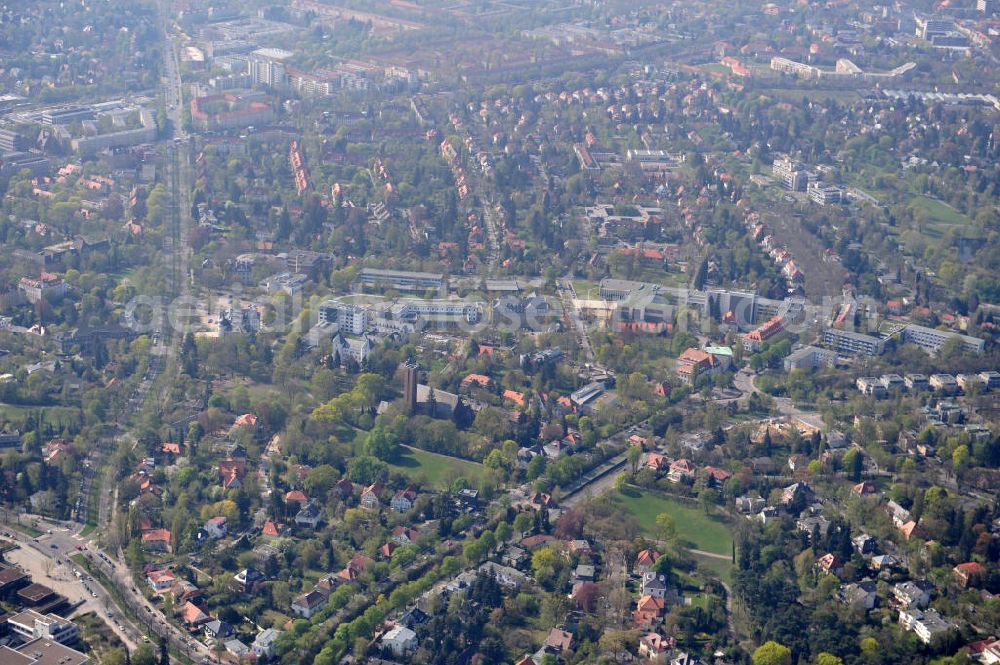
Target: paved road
[{"x": 51, "y": 566}]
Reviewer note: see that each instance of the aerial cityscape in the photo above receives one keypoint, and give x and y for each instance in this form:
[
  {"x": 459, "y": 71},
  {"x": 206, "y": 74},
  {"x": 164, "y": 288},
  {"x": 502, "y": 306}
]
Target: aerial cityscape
[{"x": 499, "y": 332}]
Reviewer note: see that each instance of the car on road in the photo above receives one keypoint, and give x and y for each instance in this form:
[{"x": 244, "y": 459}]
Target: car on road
[{"x": 54, "y": 546}]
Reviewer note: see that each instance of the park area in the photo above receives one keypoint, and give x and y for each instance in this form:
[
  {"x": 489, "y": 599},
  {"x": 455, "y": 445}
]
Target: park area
[
  {"x": 708, "y": 533},
  {"x": 438, "y": 471}
]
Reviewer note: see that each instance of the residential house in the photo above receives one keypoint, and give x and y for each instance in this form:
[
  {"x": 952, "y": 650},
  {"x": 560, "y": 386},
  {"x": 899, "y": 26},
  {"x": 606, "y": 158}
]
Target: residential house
[
  {"x": 912, "y": 594},
  {"x": 860, "y": 594},
  {"x": 232, "y": 471},
  {"x": 413, "y": 617},
  {"x": 309, "y": 515},
  {"x": 559, "y": 641},
  {"x": 217, "y": 629},
  {"x": 248, "y": 422},
  {"x": 657, "y": 462},
  {"x": 184, "y": 591},
  {"x": 654, "y": 585},
  {"x": 884, "y": 562},
  {"x": 402, "y": 535},
  {"x": 795, "y": 492},
  {"x": 716, "y": 477},
  {"x": 750, "y": 504},
  {"x": 813, "y": 524},
  {"x": 237, "y": 650},
  {"x": 194, "y": 616},
  {"x": 399, "y": 641},
  {"x": 648, "y": 611},
  {"x": 384, "y": 553},
  {"x": 156, "y": 540},
  {"x": 514, "y": 556},
  {"x": 263, "y": 644},
  {"x": 370, "y": 496},
  {"x": 506, "y": 576},
  {"x": 216, "y": 527},
  {"x": 354, "y": 568},
  {"x": 645, "y": 561},
  {"x": 272, "y": 530},
  {"x": 865, "y": 488},
  {"x": 830, "y": 563},
  {"x": 969, "y": 574},
  {"x": 681, "y": 471},
  {"x": 926, "y": 624},
  {"x": 308, "y": 603},
  {"x": 798, "y": 462},
  {"x": 655, "y": 647},
  {"x": 247, "y": 581},
  {"x": 403, "y": 500},
  {"x": 161, "y": 580},
  {"x": 865, "y": 544}
]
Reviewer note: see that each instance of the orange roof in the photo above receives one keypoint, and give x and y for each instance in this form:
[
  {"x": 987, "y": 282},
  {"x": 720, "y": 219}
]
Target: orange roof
[
  {"x": 647, "y": 557},
  {"x": 481, "y": 380},
  {"x": 193, "y": 614},
  {"x": 514, "y": 396},
  {"x": 296, "y": 495},
  {"x": 650, "y": 604},
  {"x": 155, "y": 535},
  {"x": 971, "y": 569},
  {"x": 246, "y": 419}
]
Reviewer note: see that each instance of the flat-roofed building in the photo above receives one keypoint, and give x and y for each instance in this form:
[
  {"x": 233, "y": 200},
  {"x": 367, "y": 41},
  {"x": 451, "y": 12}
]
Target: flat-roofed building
[
  {"x": 852, "y": 343},
  {"x": 30, "y": 625},
  {"x": 931, "y": 339},
  {"x": 48, "y": 652},
  {"x": 809, "y": 357},
  {"x": 402, "y": 280}
]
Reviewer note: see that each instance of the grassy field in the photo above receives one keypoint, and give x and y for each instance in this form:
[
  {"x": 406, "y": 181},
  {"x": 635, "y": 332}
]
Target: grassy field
[
  {"x": 939, "y": 212},
  {"x": 703, "y": 532},
  {"x": 437, "y": 471},
  {"x": 57, "y": 416}
]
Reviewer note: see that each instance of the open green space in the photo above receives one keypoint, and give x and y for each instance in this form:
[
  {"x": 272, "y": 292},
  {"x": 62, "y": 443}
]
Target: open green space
[
  {"x": 721, "y": 568},
  {"x": 940, "y": 216},
  {"x": 436, "y": 470},
  {"x": 703, "y": 532},
  {"x": 57, "y": 416}
]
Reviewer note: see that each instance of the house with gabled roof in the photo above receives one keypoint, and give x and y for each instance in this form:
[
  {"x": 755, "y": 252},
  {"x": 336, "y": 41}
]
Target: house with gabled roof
[
  {"x": 232, "y": 471},
  {"x": 308, "y": 603},
  {"x": 370, "y": 496},
  {"x": 648, "y": 611},
  {"x": 193, "y": 615},
  {"x": 403, "y": 500},
  {"x": 645, "y": 560},
  {"x": 161, "y": 580},
  {"x": 402, "y": 535},
  {"x": 156, "y": 540},
  {"x": 217, "y": 527},
  {"x": 680, "y": 470},
  {"x": 309, "y": 515},
  {"x": 969, "y": 574}
]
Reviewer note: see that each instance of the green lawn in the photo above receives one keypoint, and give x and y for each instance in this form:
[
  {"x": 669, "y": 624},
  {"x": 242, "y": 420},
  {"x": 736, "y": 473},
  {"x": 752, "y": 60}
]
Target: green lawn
[
  {"x": 87, "y": 530},
  {"x": 938, "y": 211},
  {"x": 57, "y": 416},
  {"x": 703, "y": 532},
  {"x": 437, "y": 471}
]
